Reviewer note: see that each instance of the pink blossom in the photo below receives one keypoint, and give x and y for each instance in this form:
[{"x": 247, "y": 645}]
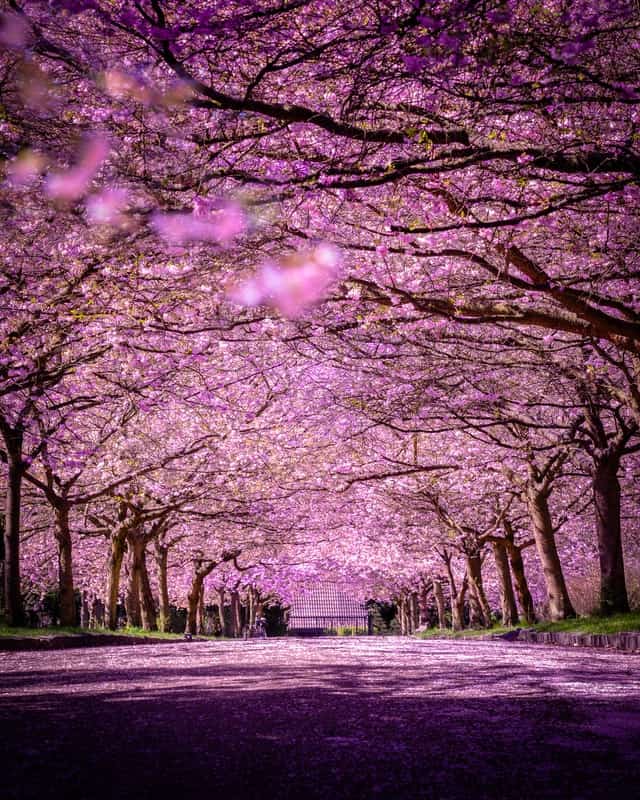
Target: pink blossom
[
  {"x": 292, "y": 285},
  {"x": 121, "y": 85},
  {"x": 71, "y": 184},
  {"x": 124, "y": 86},
  {"x": 106, "y": 207},
  {"x": 25, "y": 168},
  {"x": 14, "y": 31},
  {"x": 211, "y": 221}
]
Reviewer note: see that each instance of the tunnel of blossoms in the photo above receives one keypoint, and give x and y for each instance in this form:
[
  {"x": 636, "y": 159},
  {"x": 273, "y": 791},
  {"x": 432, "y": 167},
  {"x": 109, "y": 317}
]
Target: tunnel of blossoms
[
  {"x": 320, "y": 296},
  {"x": 298, "y": 292}
]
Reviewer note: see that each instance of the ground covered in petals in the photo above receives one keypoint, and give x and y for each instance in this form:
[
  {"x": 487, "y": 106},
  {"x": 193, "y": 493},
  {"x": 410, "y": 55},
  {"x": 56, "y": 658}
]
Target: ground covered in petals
[{"x": 324, "y": 718}]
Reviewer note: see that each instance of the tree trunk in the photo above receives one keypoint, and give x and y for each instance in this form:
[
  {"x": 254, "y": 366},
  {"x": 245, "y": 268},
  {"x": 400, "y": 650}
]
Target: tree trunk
[
  {"x": 508, "y": 607},
  {"x": 251, "y": 602},
  {"x": 423, "y": 607},
  {"x": 415, "y": 612},
  {"x": 147, "y": 602},
  {"x": 236, "y": 615},
  {"x": 402, "y": 614},
  {"x": 193, "y": 599},
  {"x": 201, "y": 612},
  {"x": 221, "y": 614},
  {"x": 132, "y": 596},
  {"x": 560, "y": 606},
  {"x": 476, "y": 617},
  {"x": 14, "y": 608},
  {"x": 406, "y": 614},
  {"x": 457, "y": 597},
  {"x": 522, "y": 585},
  {"x": 96, "y": 613},
  {"x": 85, "y": 616},
  {"x": 606, "y": 496},
  {"x": 478, "y": 599},
  {"x": 440, "y": 606},
  {"x": 162, "y": 559},
  {"x": 65, "y": 565},
  {"x": 113, "y": 579},
  {"x": 457, "y": 609}
]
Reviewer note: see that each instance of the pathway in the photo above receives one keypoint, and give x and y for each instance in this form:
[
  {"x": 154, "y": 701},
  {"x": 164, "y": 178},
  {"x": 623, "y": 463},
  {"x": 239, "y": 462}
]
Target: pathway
[{"x": 330, "y": 718}]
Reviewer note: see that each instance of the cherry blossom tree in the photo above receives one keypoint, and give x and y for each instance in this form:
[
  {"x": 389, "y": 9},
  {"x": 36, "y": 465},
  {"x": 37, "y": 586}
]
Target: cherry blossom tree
[{"x": 270, "y": 266}]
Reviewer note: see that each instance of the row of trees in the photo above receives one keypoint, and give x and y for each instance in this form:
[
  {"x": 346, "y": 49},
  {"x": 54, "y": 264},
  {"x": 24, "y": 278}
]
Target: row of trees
[{"x": 318, "y": 290}]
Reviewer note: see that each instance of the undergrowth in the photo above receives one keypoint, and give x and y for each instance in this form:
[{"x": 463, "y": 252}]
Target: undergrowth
[{"x": 592, "y": 624}]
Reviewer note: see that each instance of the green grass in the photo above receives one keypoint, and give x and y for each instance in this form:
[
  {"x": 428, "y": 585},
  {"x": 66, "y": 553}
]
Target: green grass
[
  {"x": 614, "y": 624},
  {"x": 468, "y": 633},
  {"x": 6, "y": 631},
  {"x": 60, "y": 631}
]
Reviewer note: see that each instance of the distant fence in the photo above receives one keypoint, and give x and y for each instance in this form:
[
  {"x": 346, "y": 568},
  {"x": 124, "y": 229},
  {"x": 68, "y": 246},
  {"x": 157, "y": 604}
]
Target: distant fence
[{"x": 309, "y": 625}]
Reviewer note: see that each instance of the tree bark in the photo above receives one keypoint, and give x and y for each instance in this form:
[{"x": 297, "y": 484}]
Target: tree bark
[
  {"x": 423, "y": 608},
  {"x": 221, "y": 615},
  {"x": 560, "y": 606},
  {"x": 147, "y": 602},
  {"x": 193, "y": 598},
  {"x": 402, "y": 614},
  {"x": 606, "y": 496},
  {"x": 251, "y": 606},
  {"x": 162, "y": 559},
  {"x": 132, "y": 596},
  {"x": 440, "y": 606},
  {"x": 520, "y": 579},
  {"x": 415, "y": 611},
  {"x": 236, "y": 618},
  {"x": 66, "y": 587},
  {"x": 85, "y": 615},
  {"x": 113, "y": 579},
  {"x": 478, "y": 598},
  {"x": 201, "y": 612},
  {"x": 508, "y": 606},
  {"x": 96, "y": 613},
  {"x": 476, "y": 617},
  {"x": 457, "y": 609},
  {"x": 14, "y": 608},
  {"x": 457, "y": 596}
]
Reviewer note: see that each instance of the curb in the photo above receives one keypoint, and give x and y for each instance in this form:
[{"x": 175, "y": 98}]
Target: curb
[
  {"x": 627, "y": 642},
  {"x": 70, "y": 641}
]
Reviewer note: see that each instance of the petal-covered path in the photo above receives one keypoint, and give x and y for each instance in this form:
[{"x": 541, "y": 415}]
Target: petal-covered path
[{"x": 327, "y": 718}]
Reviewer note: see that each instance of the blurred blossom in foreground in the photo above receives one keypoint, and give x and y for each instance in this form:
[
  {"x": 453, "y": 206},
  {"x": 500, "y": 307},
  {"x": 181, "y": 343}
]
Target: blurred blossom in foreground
[
  {"x": 106, "y": 207},
  {"x": 123, "y": 86},
  {"x": 14, "y": 31},
  {"x": 126, "y": 86},
  {"x": 25, "y": 167},
  {"x": 73, "y": 183},
  {"x": 292, "y": 285},
  {"x": 36, "y": 88},
  {"x": 217, "y": 221}
]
